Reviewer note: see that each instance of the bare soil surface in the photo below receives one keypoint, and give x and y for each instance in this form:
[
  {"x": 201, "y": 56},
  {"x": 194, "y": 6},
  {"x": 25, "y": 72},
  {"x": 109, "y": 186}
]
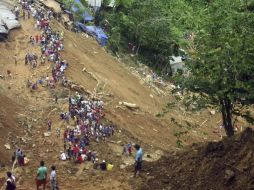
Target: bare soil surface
[{"x": 227, "y": 164}]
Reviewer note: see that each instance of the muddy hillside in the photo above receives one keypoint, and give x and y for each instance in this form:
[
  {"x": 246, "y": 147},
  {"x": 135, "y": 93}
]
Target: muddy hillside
[{"x": 227, "y": 164}]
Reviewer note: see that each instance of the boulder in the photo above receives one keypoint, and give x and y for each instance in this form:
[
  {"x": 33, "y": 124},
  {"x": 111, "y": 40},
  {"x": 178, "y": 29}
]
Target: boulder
[
  {"x": 47, "y": 134},
  {"x": 7, "y": 146},
  {"x": 212, "y": 112}
]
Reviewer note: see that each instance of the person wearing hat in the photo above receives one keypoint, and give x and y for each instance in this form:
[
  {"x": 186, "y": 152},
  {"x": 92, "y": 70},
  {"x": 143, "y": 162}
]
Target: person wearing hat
[
  {"x": 103, "y": 166},
  {"x": 138, "y": 159}
]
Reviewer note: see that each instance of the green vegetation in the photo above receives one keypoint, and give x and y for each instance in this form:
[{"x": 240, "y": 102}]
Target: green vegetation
[
  {"x": 221, "y": 47},
  {"x": 81, "y": 9},
  {"x": 151, "y": 29},
  {"x": 221, "y": 71}
]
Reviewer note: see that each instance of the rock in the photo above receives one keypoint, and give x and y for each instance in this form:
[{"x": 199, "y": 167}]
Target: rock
[
  {"x": 122, "y": 166},
  {"x": 48, "y": 141},
  {"x": 166, "y": 181},
  {"x": 87, "y": 167},
  {"x": 47, "y": 134},
  {"x": 151, "y": 95},
  {"x": 54, "y": 110},
  {"x": 182, "y": 109},
  {"x": 212, "y": 112},
  {"x": 33, "y": 145},
  {"x": 7, "y": 146},
  {"x": 29, "y": 126},
  {"x": 229, "y": 175}
]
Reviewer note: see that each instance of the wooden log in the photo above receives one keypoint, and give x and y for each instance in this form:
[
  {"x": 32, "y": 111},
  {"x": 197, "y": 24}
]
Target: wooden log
[{"x": 128, "y": 105}]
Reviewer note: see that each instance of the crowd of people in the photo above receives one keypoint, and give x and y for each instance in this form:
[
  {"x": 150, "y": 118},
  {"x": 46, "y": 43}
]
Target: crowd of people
[
  {"x": 87, "y": 114},
  {"x": 50, "y": 42}
]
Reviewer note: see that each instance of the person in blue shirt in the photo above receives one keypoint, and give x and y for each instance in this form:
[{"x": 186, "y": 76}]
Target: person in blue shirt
[{"x": 138, "y": 159}]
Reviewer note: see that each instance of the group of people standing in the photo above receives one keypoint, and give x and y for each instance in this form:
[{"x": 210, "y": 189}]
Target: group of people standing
[
  {"x": 87, "y": 114},
  {"x": 51, "y": 43},
  {"x": 41, "y": 177}
]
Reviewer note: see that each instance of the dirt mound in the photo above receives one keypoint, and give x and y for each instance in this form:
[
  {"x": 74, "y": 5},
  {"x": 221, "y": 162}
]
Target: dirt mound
[
  {"x": 227, "y": 164},
  {"x": 8, "y": 126}
]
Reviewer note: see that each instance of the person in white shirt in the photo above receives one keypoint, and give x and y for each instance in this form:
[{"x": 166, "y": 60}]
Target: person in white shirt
[
  {"x": 53, "y": 179},
  {"x": 63, "y": 156}
]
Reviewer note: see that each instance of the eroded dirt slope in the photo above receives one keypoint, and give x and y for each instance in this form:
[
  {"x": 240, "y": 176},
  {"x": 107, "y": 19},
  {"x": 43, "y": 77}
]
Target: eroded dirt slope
[{"x": 227, "y": 164}]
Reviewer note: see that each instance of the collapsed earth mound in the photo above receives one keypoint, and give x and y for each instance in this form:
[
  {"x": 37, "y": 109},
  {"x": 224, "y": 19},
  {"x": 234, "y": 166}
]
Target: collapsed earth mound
[
  {"x": 8, "y": 126},
  {"x": 227, "y": 164}
]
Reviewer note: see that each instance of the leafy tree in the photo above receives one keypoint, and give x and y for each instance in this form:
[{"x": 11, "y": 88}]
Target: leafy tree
[
  {"x": 81, "y": 7},
  {"x": 154, "y": 27},
  {"x": 221, "y": 71}
]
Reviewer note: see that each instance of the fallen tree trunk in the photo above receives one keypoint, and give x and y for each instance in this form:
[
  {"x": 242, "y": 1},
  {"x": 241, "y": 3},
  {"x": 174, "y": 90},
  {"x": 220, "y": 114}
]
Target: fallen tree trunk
[{"x": 129, "y": 105}]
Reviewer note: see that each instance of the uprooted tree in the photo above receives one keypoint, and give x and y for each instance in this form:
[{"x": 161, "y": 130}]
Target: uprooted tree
[{"x": 221, "y": 70}]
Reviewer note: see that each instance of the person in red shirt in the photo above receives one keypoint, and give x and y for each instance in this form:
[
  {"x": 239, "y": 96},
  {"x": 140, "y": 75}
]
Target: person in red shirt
[
  {"x": 79, "y": 159},
  {"x": 75, "y": 151},
  {"x": 36, "y": 38},
  {"x": 65, "y": 135},
  {"x": 84, "y": 151}
]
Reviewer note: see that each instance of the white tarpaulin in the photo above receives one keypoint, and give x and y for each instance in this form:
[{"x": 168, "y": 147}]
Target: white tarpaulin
[
  {"x": 7, "y": 20},
  {"x": 4, "y": 13},
  {"x": 3, "y": 30},
  {"x": 11, "y": 24},
  {"x": 94, "y": 3},
  {"x": 176, "y": 63}
]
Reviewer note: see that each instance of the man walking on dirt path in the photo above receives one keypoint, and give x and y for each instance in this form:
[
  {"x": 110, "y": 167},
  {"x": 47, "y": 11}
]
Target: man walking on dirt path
[
  {"x": 138, "y": 160},
  {"x": 41, "y": 178}
]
